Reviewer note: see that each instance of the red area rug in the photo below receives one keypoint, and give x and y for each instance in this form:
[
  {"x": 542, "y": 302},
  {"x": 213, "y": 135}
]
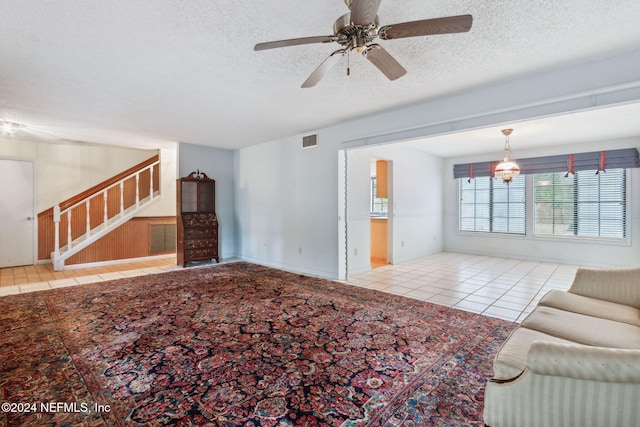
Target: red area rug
[{"x": 240, "y": 345}]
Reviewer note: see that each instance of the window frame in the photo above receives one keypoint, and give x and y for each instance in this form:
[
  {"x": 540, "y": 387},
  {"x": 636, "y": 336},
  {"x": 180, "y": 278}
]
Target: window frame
[
  {"x": 530, "y": 219},
  {"x": 492, "y": 208},
  {"x": 373, "y": 202},
  {"x": 625, "y": 239}
]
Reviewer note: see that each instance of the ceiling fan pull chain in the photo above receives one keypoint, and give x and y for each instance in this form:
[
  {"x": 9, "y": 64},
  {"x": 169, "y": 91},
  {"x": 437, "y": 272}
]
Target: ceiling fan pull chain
[{"x": 349, "y": 62}]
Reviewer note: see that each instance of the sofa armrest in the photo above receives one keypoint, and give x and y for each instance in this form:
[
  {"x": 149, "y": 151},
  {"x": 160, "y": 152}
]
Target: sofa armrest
[
  {"x": 620, "y": 286},
  {"x": 584, "y": 362},
  {"x": 568, "y": 385}
]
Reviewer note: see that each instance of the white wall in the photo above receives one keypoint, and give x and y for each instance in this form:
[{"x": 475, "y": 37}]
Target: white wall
[
  {"x": 218, "y": 164},
  {"x": 289, "y": 199},
  {"x": 286, "y": 202},
  {"x": 166, "y": 206},
  {"x": 585, "y": 252},
  {"x": 416, "y": 207},
  {"x": 64, "y": 169},
  {"x": 289, "y": 203}
]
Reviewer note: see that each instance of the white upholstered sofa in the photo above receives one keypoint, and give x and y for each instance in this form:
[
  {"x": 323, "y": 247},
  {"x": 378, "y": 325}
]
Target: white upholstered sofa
[{"x": 575, "y": 360}]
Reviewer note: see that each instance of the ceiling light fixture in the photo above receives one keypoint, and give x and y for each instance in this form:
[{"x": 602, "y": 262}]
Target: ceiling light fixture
[
  {"x": 9, "y": 128},
  {"x": 507, "y": 168}
]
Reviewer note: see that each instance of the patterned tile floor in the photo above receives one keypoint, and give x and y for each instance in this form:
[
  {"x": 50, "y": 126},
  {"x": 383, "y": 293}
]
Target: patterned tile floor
[{"x": 498, "y": 287}]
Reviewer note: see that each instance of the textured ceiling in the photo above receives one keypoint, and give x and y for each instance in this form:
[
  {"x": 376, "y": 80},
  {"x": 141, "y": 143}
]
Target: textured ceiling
[
  {"x": 143, "y": 71},
  {"x": 597, "y": 125}
]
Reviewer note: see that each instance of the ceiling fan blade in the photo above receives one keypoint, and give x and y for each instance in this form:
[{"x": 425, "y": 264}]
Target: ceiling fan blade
[
  {"x": 427, "y": 27},
  {"x": 363, "y": 12},
  {"x": 324, "y": 68},
  {"x": 384, "y": 62},
  {"x": 294, "y": 42}
]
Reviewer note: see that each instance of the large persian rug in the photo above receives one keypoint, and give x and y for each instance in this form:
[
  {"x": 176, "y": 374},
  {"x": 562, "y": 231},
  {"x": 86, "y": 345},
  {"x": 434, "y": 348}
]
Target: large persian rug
[{"x": 240, "y": 345}]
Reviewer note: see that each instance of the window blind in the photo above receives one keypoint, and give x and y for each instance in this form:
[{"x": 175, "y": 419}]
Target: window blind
[
  {"x": 584, "y": 204},
  {"x": 596, "y": 160},
  {"x": 492, "y": 206}
]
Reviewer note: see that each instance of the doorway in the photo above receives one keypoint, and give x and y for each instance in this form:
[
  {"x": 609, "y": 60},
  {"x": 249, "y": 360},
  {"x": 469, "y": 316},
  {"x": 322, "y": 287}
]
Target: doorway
[
  {"x": 17, "y": 213},
  {"x": 355, "y": 172},
  {"x": 379, "y": 230}
]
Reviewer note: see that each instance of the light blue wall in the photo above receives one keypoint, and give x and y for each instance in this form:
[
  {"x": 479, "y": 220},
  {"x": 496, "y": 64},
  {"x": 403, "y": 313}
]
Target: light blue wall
[{"x": 218, "y": 164}]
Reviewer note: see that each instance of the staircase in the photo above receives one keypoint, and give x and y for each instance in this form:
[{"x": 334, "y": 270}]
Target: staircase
[{"x": 100, "y": 212}]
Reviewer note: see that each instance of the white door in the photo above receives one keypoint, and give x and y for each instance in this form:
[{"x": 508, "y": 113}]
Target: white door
[{"x": 17, "y": 217}]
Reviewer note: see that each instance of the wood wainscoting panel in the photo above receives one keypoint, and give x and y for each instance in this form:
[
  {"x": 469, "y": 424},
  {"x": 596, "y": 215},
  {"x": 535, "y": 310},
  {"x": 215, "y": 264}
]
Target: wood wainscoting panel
[
  {"x": 131, "y": 240},
  {"x": 46, "y": 235}
]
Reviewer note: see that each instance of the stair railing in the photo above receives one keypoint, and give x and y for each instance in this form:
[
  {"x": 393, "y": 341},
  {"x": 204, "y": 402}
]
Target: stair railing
[{"x": 93, "y": 233}]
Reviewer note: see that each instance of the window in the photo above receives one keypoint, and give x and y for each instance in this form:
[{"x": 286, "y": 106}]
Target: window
[
  {"x": 379, "y": 205},
  {"x": 583, "y": 204},
  {"x": 492, "y": 206}
]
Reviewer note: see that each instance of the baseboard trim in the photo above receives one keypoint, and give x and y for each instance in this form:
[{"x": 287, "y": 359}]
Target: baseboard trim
[
  {"x": 118, "y": 261},
  {"x": 291, "y": 268}
]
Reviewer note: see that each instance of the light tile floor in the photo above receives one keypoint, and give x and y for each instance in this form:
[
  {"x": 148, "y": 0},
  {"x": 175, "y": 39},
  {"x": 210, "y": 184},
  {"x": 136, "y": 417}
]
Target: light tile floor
[
  {"x": 498, "y": 287},
  {"x": 16, "y": 280}
]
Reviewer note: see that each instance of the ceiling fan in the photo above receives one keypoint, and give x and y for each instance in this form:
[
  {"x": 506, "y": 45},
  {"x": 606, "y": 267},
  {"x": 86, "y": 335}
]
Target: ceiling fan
[{"x": 358, "y": 29}]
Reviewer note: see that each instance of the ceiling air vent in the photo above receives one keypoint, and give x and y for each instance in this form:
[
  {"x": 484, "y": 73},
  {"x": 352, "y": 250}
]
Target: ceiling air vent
[{"x": 310, "y": 141}]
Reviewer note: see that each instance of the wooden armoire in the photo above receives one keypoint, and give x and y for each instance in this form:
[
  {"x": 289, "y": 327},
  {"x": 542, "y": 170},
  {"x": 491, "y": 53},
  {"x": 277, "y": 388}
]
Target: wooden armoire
[{"x": 196, "y": 219}]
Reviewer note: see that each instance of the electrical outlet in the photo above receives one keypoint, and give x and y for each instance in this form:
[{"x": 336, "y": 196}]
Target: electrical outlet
[
  {"x": 402, "y": 243},
  {"x": 355, "y": 252},
  {"x": 300, "y": 250}
]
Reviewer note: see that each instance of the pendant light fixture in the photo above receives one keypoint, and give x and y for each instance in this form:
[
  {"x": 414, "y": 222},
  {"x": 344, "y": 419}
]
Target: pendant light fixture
[{"x": 507, "y": 168}]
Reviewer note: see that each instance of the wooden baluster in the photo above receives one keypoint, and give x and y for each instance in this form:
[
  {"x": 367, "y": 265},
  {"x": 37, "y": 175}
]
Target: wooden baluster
[
  {"x": 151, "y": 182},
  {"x": 159, "y": 179},
  {"x": 106, "y": 210},
  {"x": 87, "y": 206},
  {"x": 69, "y": 229},
  {"x": 56, "y": 238},
  {"x": 137, "y": 189},
  {"x": 121, "y": 197}
]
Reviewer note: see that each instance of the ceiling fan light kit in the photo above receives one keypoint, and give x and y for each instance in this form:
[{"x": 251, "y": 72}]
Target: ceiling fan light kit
[{"x": 357, "y": 31}]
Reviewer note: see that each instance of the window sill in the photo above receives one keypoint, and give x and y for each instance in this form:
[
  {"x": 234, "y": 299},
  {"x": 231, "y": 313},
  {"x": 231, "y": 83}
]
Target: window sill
[
  {"x": 557, "y": 239},
  {"x": 585, "y": 240},
  {"x": 489, "y": 234}
]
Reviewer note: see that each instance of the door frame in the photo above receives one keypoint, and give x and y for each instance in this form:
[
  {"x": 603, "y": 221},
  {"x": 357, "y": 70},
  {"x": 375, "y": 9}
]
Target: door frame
[
  {"x": 344, "y": 200},
  {"x": 390, "y": 205}
]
